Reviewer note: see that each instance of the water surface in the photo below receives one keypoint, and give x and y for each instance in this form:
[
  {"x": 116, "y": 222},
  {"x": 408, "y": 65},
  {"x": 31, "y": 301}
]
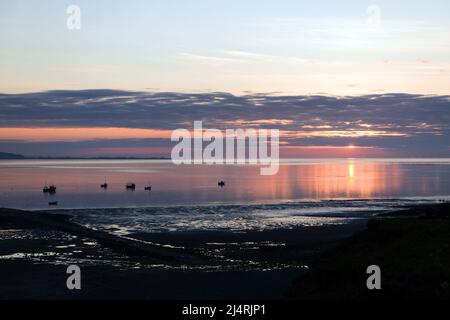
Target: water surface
[{"x": 78, "y": 182}]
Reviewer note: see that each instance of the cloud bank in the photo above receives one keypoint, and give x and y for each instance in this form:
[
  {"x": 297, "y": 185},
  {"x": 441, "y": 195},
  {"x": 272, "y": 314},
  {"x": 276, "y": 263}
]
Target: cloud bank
[{"x": 399, "y": 124}]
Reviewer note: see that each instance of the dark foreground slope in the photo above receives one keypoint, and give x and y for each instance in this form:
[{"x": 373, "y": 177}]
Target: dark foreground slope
[{"x": 411, "y": 248}]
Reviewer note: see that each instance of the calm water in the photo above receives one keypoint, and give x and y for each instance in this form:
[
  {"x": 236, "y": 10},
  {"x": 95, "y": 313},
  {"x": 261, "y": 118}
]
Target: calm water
[
  {"x": 304, "y": 192},
  {"x": 78, "y": 182}
]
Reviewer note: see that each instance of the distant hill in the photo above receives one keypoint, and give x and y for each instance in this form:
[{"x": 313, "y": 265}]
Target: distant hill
[{"x": 4, "y": 155}]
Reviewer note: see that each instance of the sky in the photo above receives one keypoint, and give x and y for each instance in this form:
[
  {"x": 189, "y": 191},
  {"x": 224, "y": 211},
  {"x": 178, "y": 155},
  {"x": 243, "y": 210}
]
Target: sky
[
  {"x": 289, "y": 46},
  {"x": 339, "y": 79}
]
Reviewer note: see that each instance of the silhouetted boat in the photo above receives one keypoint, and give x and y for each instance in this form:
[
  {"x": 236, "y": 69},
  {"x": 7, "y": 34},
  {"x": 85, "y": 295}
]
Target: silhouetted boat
[
  {"x": 221, "y": 184},
  {"x": 49, "y": 189},
  {"x": 104, "y": 185},
  {"x": 130, "y": 186},
  {"x": 148, "y": 188},
  {"x": 53, "y": 203}
]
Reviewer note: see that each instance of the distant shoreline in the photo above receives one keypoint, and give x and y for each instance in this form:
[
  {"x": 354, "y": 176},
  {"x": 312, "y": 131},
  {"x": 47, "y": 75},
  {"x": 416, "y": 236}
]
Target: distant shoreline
[
  {"x": 93, "y": 158},
  {"x": 12, "y": 156}
]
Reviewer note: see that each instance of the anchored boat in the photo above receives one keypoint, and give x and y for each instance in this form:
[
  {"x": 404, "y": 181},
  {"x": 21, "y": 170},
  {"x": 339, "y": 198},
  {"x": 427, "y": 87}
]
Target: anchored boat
[
  {"x": 49, "y": 189},
  {"x": 130, "y": 186}
]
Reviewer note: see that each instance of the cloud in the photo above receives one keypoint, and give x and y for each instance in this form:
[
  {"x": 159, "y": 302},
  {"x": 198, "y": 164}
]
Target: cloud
[
  {"x": 411, "y": 124},
  {"x": 41, "y": 134},
  {"x": 212, "y": 60}
]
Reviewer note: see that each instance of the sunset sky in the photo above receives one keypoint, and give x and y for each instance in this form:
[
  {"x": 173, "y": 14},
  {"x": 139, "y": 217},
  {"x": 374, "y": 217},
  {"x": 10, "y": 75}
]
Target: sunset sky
[{"x": 339, "y": 79}]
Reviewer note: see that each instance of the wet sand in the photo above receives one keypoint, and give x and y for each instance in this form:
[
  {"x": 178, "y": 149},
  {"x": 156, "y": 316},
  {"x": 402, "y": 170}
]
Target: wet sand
[
  {"x": 320, "y": 262},
  {"x": 36, "y": 248}
]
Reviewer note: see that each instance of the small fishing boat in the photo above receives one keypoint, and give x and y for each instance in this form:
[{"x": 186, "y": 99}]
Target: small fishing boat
[
  {"x": 221, "y": 184},
  {"x": 148, "y": 188},
  {"x": 53, "y": 203},
  {"x": 130, "y": 186},
  {"x": 49, "y": 189},
  {"x": 104, "y": 185}
]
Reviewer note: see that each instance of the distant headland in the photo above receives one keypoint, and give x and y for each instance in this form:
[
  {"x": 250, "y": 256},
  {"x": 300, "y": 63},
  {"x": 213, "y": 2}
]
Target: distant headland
[{"x": 14, "y": 156}]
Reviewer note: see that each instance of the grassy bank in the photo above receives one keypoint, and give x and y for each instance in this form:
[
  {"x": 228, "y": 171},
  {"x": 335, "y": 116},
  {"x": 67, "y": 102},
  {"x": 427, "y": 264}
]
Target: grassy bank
[{"x": 411, "y": 247}]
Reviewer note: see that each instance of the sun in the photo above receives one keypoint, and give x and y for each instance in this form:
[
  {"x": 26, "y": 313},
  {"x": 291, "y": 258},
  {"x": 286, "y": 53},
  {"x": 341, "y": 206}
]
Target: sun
[{"x": 351, "y": 146}]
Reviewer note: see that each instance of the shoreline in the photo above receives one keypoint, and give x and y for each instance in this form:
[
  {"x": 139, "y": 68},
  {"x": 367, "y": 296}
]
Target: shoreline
[
  {"x": 414, "y": 201},
  {"x": 167, "y": 265}
]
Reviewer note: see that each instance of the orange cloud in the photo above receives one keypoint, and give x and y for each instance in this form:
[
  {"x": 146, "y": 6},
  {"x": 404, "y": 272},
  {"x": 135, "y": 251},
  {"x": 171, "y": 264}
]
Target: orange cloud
[
  {"x": 43, "y": 134},
  {"x": 39, "y": 134},
  {"x": 328, "y": 147},
  {"x": 423, "y": 61}
]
